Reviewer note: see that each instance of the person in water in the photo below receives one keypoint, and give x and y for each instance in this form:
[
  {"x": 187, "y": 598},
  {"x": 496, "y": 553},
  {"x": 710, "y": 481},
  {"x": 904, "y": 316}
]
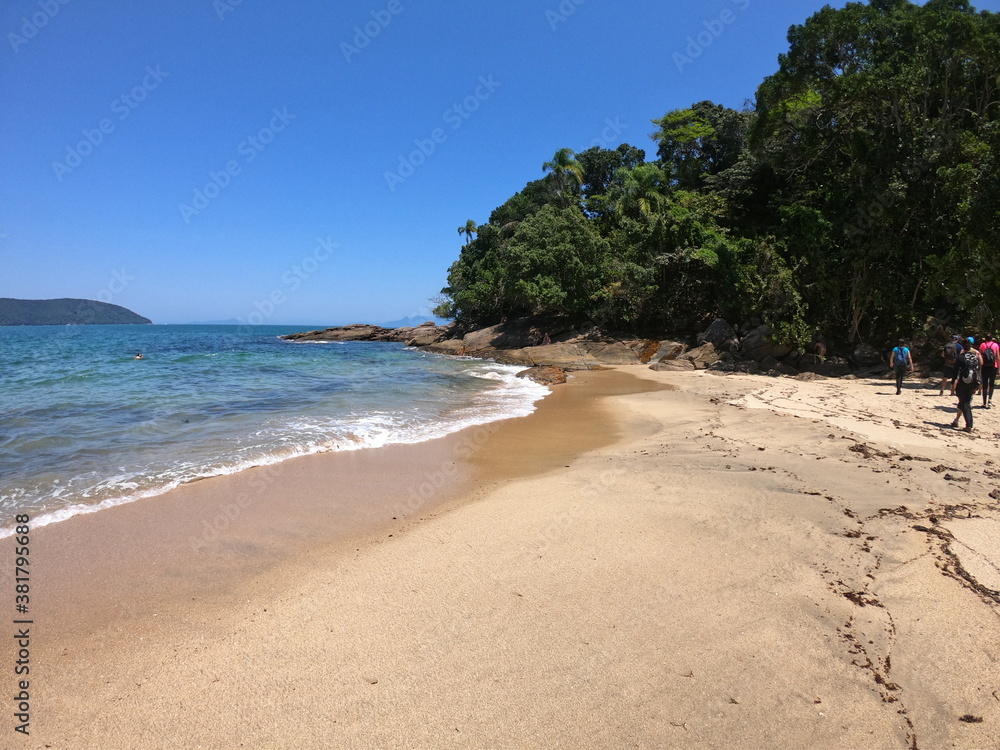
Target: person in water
[{"x": 138, "y": 355}]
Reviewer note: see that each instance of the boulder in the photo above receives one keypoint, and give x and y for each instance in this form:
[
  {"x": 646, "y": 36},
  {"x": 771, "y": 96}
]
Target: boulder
[
  {"x": 673, "y": 365},
  {"x": 721, "y": 335},
  {"x": 615, "y": 353},
  {"x": 743, "y": 366},
  {"x": 544, "y": 374},
  {"x": 785, "y": 369},
  {"x": 809, "y": 362},
  {"x": 703, "y": 356},
  {"x": 669, "y": 350},
  {"x": 644, "y": 349},
  {"x": 353, "y": 332},
  {"x": 865, "y": 354},
  {"x": 425, "y": 334},
  {"x": 513, "y": 334},
  {"x": 758, "y": 345},
  {"x": 834, "y": 367},
  {"x": 448, "y": 346},
  {"x": 517, "y": 357},
  {"x": 477, "y": 341},
  {"x": 773, "y": 365},
  {"x": 569, "y": 356}
]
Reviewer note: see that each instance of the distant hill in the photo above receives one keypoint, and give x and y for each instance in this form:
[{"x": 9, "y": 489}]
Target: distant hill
[
  {"x": 414, "y": 320},
  {"x": 57, "y": 312}
]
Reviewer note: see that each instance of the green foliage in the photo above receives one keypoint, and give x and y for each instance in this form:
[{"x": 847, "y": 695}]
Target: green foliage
[
  {"x": 697, "y": 143},
  {"x": 860, "y": 196}
]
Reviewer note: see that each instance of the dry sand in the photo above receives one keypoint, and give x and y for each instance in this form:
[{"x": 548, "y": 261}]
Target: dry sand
[{"x": 741, "y": 562}]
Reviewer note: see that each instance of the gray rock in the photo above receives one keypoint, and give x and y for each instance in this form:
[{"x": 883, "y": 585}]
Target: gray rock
[
  {"x": 721, "y": 335},
  {"x": 865, "y": 354},
  {"x": 758, "y": 345},
  {"x": 426, "y": 334},
  {"x": 703, "y": 356},
  {"x": 669, "y": 350},
  {"x": 353, "y": 332},
  {"x": 544, "y": 375},
  {"x": 449, "y": 346},
  {"x": 674, "y": 365},
  {"x": 615, "y": 353}
]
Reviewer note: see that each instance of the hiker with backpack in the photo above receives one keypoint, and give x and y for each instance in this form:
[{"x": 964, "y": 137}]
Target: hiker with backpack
[
  {"x": 990, "y": 352},
  {"x": 970, "y": 366},
  {"x": 951, "y": 353},
  {"x": 902, "y": 362}
]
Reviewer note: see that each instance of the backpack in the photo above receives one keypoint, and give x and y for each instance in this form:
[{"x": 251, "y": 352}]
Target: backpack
[
  {"x": 951, "y": 350},
  {"x": 989, "y": 357},
  {"x": 968, "y": 368},
  {"x": 902, "y": 356}
]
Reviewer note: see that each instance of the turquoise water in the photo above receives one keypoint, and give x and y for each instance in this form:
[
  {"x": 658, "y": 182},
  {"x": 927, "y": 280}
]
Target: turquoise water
[{"x": 84, "y": 425}]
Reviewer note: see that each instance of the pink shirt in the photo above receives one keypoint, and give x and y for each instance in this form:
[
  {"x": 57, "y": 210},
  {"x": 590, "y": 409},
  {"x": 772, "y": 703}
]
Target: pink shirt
[{"x": 991, "y": 345}]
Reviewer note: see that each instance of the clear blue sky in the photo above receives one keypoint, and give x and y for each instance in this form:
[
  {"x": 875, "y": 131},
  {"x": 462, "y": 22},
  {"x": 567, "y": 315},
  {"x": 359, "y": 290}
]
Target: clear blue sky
[{"x": 238, "y": 141}]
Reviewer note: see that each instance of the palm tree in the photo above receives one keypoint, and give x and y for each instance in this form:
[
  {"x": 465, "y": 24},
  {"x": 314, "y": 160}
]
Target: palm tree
[
  {"x": 468, "y": 230},
  {"x": 566, "y": 171},
  {"x": 641, "y": 191}
]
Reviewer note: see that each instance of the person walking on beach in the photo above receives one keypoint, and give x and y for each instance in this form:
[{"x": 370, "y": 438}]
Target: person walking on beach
[
  {"x": 989, "y": 350},
  {"x": 970, "y": 365},
  {"x": 902, "y": 362},
  {"x": 951, "y": 352}
]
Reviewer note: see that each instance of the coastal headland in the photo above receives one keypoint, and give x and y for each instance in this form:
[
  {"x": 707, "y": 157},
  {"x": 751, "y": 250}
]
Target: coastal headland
[
  {"x": 653, "y": 559},
  {"x": 559, "y": 342}
]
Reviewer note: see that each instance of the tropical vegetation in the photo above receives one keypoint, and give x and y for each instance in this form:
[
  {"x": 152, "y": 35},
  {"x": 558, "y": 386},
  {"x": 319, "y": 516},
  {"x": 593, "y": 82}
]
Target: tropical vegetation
[{"x": 855, "y": 198}]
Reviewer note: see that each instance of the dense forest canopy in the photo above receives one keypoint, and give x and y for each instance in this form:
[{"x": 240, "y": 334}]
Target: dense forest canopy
[{"x": 859, "y": 196}]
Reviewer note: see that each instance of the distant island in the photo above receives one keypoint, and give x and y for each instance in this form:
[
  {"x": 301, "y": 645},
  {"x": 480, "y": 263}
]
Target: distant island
[{"x": 58, "y": 312}]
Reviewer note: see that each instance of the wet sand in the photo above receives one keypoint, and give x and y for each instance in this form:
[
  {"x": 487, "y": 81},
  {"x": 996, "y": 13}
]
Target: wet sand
[{"x": 741, "y": 562}]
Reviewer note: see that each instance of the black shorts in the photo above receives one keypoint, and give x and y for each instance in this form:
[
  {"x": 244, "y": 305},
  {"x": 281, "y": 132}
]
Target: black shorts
[{"x": 951, "y": 371}]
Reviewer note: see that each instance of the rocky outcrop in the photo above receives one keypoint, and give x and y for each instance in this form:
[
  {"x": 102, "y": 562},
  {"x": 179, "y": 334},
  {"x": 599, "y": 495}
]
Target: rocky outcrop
[
  {"x": 865, "y": 354},
  {"x": 545, "y": 375},
  {"x": 669, "y": 350},
  {"x": 757, "y": 345},
  {"x": 422, "y": 335},
  {"x": 720, "y": 335},
  {"x": 673, "y": 365},
  {"x": 557, "y": 343},
  {"x": 700, "y": 358},
  {"x": 448, "y": 346},
  {"x": 583, "y": 355}
]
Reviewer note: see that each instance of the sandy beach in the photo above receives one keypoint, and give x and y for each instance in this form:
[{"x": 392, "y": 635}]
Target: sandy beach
[{"x": 651, "y": 560}]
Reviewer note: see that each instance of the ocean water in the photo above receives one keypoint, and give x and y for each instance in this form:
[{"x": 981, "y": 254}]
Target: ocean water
[{"x": 84, "y": 425}]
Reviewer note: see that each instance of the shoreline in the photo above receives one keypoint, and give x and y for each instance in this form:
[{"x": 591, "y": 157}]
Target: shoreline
[
  {"x": 207, "y": 538},
  {"x": 509, "y": 400},
  {"x": 717, "y": 565}
]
